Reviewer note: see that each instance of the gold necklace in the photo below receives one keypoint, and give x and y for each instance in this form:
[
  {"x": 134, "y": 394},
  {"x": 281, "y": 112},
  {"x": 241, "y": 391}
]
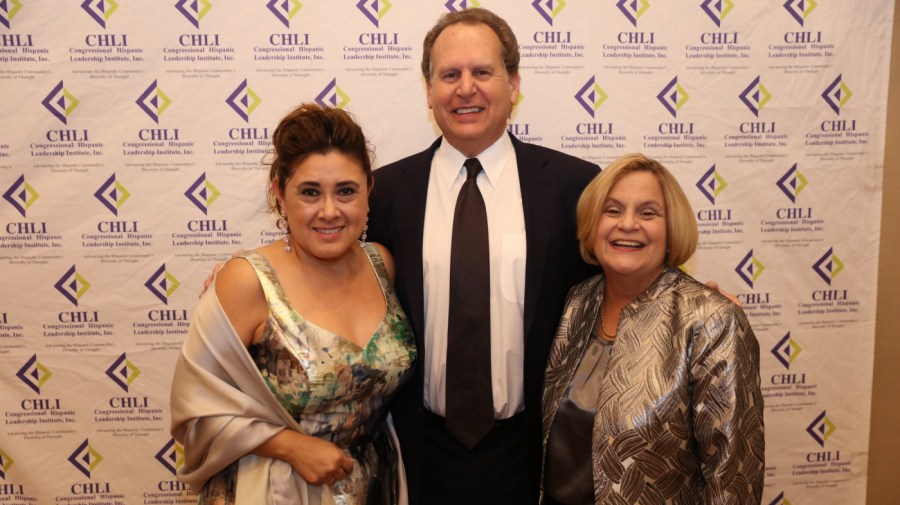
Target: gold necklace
[{"x": 606, "y": 334}]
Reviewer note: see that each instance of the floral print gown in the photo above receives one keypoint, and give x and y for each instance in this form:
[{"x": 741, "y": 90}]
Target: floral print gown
[{"x": 333, "y": 388}]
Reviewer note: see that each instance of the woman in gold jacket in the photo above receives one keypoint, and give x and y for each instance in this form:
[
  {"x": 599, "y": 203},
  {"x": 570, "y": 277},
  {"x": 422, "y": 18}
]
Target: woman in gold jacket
[{"x": 652, "y": 390}]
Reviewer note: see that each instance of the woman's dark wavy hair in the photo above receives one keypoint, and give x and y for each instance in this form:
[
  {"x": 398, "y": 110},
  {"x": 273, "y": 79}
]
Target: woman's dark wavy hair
[{"x": 312, "y": 129}]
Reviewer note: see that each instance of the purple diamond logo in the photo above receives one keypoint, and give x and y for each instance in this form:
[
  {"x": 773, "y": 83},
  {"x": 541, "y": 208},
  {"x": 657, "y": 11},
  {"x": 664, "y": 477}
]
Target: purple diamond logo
[
  {"x": 792, "y": 183},
  {"x": 633, "y": 9},
  {"x": 34, "y": 374},
  {"x": 202, "y": 193},
  {"x": 193, "y": 10},
  {"x": 333, "y": 96},
  {"x": 828, "y": 266},
  {"x": 786, "y": 350},
  {"x": 123, "y": 372},
  {"x": 673, "y": 97},
  {"x": 749, "y": 269},
  {"x": 548, "y": 9},
  {"x": 755, "y": 96},
  {"x": 8, "y": 10},
  {"x": 591, "y": 96},
  {"x": 72, "y": 285},
  {"x": 60, "y": 102},
  {"x": 717, "y": 9},
  {"x": 374, "y": 10},
  {"x": 837, "y": 94},
  {"x": 162, "y": 284},
  {"x": 800, "y": 9},
  {"x": 100, "y": 10},
  {"x": 153, "y": 101},
  {"x": 85, "y": 458},
  {"x": 112, "y": 194},
  {"x": 821, "y": 428},
  {"x": 243, "y": 101},
  {"x": 21, "y": 195},
  {"x": 711, "y": 184},
  {"x": 284, "y": 10},
  {"x": 171, "y": 456}
]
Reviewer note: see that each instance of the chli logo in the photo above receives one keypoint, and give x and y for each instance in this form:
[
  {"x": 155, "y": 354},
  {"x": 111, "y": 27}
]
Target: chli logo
[
  {"x": 123, "y": 372},
  {"x": 786, "y": 350},
  {"x": 780, "y": 500},
  {"x": 162, "y": 284},
  {"x": 34, "y": 374},
  {"x": 171, "y": 456},
  {"x": 755, "y": 96},
  {"x": 8, "y": 11},
  {"x": 750, "y": 268},
  {"x": 284, "y": 10},
  {"x": 837, "y": 94},
  {"x": 792, "y": 183},
  {"x": 549, "y": 9},
  {"x": 591, "y": 96},
  {"x": 60, "y": 102},
  {"x": 153, "y": 101},
  {"x": 202, "y": 193},
  {"x": 374, "y": 10},
  {"x": 112, "y": 194},
  {"x": 21, "y": 195},
  {"x": 461, "y": 5},
  {"x": 100, "y": 10},
  {"x": 243, "y": 101},
  {"x": 828, "y": 266},
  {"x": 633, "y": 9},
  {"x": 800, "y": 9},
  {"x": 821, "y": 428},
  {"x": 673, "y": 97},
  {"x": 333, "y": 96},
  {"x": 717, "y": 9},
  {"x": 6, "y": 463},
  {"x": 85, "y": 458},
  {"x": 711, "y": 184},
  {"x": 193, "y": 10},
  {"x": 72, "y": 285}
]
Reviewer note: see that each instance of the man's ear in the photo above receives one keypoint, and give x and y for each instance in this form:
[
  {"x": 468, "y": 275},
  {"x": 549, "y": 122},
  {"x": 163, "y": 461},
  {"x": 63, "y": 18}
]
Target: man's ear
[
  {"x": 514, "y": 81},
  {"x": 428, "y": 92}
]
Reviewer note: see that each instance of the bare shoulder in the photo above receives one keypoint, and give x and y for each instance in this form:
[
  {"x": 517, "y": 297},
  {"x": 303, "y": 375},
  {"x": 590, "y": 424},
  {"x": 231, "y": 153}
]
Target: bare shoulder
[
  {"x": 241, "y": 297},
  {"x": 387, "y": 257},
  {"x": 236, "y": 272}
]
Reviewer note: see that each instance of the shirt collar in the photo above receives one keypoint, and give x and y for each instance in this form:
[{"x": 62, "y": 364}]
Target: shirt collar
[{"x": 449, "y": 162}]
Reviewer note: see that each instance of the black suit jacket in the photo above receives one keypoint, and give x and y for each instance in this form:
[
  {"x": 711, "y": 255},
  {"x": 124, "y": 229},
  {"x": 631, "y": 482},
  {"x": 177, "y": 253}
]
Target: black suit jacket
[{"x": 551, "y": 183}]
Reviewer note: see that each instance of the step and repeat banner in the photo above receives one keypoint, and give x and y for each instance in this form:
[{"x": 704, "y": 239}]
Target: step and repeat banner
[{"x": 132, "y": 159}]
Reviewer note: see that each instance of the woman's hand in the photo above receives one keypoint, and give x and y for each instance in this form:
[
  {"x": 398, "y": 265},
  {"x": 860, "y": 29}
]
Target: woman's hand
[
  {"x": 715, "y": 287},
  {"x": 315, "y": 460},
  {"x": 212, "y": 275}
]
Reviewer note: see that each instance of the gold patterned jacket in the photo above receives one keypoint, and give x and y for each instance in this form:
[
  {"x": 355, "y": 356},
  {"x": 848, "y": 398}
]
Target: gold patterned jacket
[{"x": 680, "y": 414}]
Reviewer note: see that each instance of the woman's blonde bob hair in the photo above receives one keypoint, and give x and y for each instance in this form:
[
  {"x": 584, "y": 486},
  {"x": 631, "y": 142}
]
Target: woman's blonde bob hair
[{"x": 681, "y": 226}]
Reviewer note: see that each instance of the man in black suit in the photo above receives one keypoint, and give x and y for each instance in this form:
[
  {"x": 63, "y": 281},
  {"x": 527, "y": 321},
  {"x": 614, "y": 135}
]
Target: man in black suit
[{"x": 470, "y": 63}]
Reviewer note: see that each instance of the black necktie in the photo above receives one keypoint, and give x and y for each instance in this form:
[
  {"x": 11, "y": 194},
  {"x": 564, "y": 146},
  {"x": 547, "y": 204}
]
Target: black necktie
[{"x": 470, "y": 405}]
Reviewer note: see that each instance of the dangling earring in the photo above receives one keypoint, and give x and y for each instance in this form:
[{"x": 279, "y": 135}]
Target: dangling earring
[
  {"x": 362, "y": 238},
  {"x": 285, "y": 232}
]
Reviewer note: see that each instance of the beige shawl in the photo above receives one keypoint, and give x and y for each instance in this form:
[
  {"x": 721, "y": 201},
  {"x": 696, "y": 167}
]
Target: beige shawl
[{"x": 222, "y": 410}]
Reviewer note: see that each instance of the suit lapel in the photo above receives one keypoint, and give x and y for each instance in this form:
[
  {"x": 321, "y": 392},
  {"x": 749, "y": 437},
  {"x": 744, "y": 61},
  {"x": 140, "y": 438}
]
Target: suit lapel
[
  {"x": 538, "y": 186},
  {"x": 410, "y": 219}
]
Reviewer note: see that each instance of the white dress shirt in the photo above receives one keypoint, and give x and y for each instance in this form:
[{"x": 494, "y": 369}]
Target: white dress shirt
[{"x": 499, "y": 186}]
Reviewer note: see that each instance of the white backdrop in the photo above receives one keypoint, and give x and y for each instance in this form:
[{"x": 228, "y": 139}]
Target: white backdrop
[{"x": 131, "y": 154}]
